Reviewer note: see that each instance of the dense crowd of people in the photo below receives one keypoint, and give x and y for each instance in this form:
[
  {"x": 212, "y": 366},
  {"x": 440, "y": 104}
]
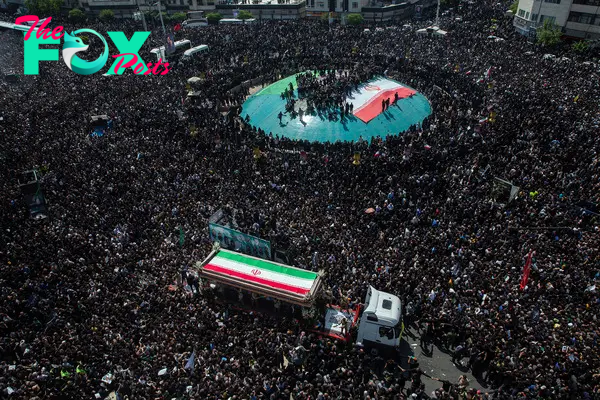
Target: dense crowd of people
[
  {"x": 329, "y": 91},
  {"x": 90, "y": 297}
]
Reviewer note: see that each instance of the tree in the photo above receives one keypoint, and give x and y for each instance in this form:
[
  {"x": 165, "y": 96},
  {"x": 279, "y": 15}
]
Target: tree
[
  {"x": 107, "y": 15},
  {"x": 355, "y": 19},
  {"x": 213, "y": 18},
  {"x": 581, "y": 46},
  {"x": 549, "y": 34},
  {"x": 76, "y": 15},
  {"x": 243, "y": 14},
  {"x": 43, "y": 8},
  {"x": 178, "y": 17},
  {"x": 514, "y": 7}
]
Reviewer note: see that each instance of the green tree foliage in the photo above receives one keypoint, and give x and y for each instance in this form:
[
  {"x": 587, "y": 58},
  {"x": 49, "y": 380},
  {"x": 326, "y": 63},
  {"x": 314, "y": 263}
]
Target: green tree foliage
[
  {"x": 107, "y": 15},
  {"x": 43, "y": 8},
  {"x": 580, "y": 47},
  {"x": 243, "y": 14},
  {"x": 549, "y": 34},
  {"x": 213, "y": 18},
  {"x": 76, "y": 15},
  {"x": 514, "y": 7},
  {"x": 178, "y": 17},
  {"x": 355, "y": 19}
]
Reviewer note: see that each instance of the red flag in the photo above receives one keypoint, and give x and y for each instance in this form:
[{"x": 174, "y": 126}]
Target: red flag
[
  {"x": 177, "y": 28},
  {"x": 526, "y": 270}
]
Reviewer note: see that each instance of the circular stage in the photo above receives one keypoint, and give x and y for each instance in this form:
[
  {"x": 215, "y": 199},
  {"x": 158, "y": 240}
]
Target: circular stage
[{"x": 366, "y": 120}]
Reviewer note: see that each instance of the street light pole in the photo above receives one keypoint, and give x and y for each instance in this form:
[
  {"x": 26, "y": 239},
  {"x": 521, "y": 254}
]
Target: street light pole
[
  {"x": 161, "y": 19},
  {"x": 137, "y": 2},
  {"x": 437, "y": 15}
]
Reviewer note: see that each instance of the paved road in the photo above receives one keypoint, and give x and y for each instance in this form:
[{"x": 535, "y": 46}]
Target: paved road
[{"x": 438, "y": 364}]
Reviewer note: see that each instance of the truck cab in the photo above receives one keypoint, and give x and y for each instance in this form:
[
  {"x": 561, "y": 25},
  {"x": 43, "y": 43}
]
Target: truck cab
[{"x": 381, "y": 322}]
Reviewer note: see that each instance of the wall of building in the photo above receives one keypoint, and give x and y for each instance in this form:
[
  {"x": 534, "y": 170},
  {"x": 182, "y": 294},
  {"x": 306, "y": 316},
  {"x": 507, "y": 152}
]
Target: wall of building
[
  {"x": 584, "y": 20},
  {"x": 265, "y": 11},
  {"x": 390, "y": 13},
  {"x": 532, "y": 12},
  {"x": 580, "y": 20},
  {"x": 316, "y": 7}
]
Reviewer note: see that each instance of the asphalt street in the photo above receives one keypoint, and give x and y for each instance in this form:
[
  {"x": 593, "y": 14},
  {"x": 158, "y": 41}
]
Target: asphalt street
[{"x": 435, "y": 363}]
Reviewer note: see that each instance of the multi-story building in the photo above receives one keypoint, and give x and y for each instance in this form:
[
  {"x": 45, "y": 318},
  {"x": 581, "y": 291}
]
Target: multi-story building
[
  {"x": 263, "y": 9},
  {"x": 577, "y": 18},
  {"x": 372, "y": 10}
]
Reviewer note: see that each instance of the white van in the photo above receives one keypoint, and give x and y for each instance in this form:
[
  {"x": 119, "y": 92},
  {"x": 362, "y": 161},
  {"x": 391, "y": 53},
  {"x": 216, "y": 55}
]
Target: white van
[
  {"x": 180, "y": 47},
  {"x": 198, "y": 49},
  {"x": 194, "y": 23},
  {"x": 231, "y": 21},
  {"x": 381, "y": 322},
  {"x": 235, "y": 21}
]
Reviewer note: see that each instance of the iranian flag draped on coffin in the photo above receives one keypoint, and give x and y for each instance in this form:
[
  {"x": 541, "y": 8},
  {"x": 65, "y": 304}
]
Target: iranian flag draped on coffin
[{"x": 279, "y": 281}]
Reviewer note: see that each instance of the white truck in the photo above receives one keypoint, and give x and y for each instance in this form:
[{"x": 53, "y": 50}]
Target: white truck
[
  {"x": 265, "y": 286},
  {"x": 380, "y": 322}
]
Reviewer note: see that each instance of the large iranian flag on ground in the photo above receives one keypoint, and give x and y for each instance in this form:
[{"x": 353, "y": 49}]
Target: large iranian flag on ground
[
  {"x": 367, "y": 102},
  {"x": 256, "y": 271}
]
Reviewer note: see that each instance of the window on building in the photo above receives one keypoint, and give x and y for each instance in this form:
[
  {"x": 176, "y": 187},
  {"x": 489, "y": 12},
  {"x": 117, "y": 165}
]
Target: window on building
[
  {"x": 587, "y": 2},
  {"x": 552, "y": 1},
  {"x": 181, "y": 2},
  {"x": 548, "y": 18},
  {"x": 527, "y": 15},
  {"x": 521, "y": 13},
  {"x": 586, "y": 18},
  {"x": 534, "y": 17},
  {"x": 354, "y": 5},
  {"x": 321, "y": 4},
  {"x": 574, "y": 16},
  {"x": 190, "y": 3},
  {"x": 582, "y": 18}
]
